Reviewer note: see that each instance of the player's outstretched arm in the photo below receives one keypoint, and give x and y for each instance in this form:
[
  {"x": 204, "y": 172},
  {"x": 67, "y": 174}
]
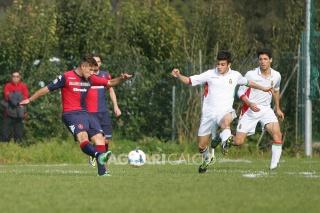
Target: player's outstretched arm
[
  {"x": 98, "y": 81},
  {"x": 115, "y": 81},
  {"x": 176, "y": 73},
  {"x": 254, "y": 85},
  {"x": 36, "y": 95}
]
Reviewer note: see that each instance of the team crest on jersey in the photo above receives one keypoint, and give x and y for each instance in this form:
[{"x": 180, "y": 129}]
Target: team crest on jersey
[
  {"x": 80, "y": 126},
  {"x": 230, "y": 81}
]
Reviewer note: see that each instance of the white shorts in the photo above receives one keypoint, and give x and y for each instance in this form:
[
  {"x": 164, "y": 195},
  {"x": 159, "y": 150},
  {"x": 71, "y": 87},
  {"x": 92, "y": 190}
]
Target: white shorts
[
  {"x": 210, "y": 121},
  {"x": 249, "y": 120}
]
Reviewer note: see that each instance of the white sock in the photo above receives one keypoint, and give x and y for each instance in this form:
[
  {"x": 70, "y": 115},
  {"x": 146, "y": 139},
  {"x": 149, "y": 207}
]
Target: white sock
[
  {"x": 212, "y": 152},
  {"x": 225, "y": 134},
  {"x": 276, "y": 151}
]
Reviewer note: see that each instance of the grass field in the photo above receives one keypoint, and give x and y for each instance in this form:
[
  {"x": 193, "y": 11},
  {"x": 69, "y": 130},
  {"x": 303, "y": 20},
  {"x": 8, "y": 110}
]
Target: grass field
[{"x": 229, "y": 186}]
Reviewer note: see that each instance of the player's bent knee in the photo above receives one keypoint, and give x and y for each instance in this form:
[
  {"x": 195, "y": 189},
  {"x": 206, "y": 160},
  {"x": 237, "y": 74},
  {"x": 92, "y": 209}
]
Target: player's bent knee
[
  {"x": 203, "y": 141},
  {"x": 277, "y": 136},
  {"x": 239, "y": 139},
  {"x": 82, "y": 136},
  {"x": 238, "y": 142},
  {"x": 98, "y": 139},
  {"x": 201, "y": 147}
]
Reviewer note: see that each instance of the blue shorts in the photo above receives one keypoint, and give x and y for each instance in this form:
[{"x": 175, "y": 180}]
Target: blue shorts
[
  {"x": 79, "y": 121},
  {"x": 105, "y": 122}
]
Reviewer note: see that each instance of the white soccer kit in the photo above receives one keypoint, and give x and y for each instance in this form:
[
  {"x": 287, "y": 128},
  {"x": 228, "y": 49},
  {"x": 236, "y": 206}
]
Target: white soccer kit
[
  {"x": 218, "y": 97},
  {"x": 249, "y": 119}
]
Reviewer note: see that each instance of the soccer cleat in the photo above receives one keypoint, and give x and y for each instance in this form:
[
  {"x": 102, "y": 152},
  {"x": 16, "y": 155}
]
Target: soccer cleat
[
  {"x": 273, "y": 166},
  {"x": 226, "y": 145},
  {"x": 92, "y": 161},
  {"x": 104, "y": 157},
  {"x": 106, "y": 174},
  {"x": 205, "y": 164},
  {"x": 215, "y": 142}
]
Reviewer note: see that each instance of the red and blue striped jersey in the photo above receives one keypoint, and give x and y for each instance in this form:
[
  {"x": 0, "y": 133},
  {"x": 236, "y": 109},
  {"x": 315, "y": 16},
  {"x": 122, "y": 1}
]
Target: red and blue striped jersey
[
  {"x": 96, "y": 99},
  {"x": 74, "y": 89}
]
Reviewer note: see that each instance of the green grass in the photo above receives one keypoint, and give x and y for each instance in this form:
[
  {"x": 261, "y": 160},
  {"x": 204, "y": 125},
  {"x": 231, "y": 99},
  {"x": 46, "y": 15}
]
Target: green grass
[
  {"x": 68, "y": 151},
  {"x": 229, "y": 186}
]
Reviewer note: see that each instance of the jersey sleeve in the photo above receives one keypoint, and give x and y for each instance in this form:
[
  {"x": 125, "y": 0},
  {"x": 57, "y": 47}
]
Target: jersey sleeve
[
  {"x": 243, "y": 89},
  {"x": 277, "y": 84},
  {"x": 98, "y": 81},
  {"x": 57, "y": 83},
  {"x": 109, "y": 77},
  {"x": 198, "y": 79},
  {"x": 242, "y": 80}
]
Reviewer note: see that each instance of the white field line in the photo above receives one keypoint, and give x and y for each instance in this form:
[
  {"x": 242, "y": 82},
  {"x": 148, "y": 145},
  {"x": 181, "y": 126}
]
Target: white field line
[
  {"x": 39, "y": 165},
  {"x": 156, "y": 161},
  {"x": 225, "y": 160},
  {"x": 252, "y": 174},
  {"x": 255, "y": 175}
]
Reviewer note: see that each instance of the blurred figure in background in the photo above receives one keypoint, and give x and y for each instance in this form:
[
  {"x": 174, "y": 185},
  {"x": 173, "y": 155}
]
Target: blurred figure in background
[
  {"x": 97, "y": 106},
  {"x": 14, "y": 114}
]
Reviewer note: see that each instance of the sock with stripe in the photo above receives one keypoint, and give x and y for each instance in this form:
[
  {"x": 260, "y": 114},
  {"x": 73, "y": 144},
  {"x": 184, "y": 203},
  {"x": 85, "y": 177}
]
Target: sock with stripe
[
  {"x": 88, "y": 148},
  {"x": 101, "y": 168}
]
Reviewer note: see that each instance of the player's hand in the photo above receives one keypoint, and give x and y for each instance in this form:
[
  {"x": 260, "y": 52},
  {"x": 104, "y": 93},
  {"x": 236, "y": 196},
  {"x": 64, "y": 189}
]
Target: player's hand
[
  {"x": 125, "y": 76},
  {"x": 280, "y": 114},
  {"x": 25, "y": 102},
  {"x": 268, "y": 89},
  {"x": 117, "y": 111},
  {"x": 175, "y": 73},
  {"x": 254, "y": 107}
]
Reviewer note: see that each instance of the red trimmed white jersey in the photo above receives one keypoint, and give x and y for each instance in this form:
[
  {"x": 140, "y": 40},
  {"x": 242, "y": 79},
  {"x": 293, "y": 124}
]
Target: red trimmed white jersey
[
  {"x": 257, "y": 96},
  {"x": 220, "y": 88}
]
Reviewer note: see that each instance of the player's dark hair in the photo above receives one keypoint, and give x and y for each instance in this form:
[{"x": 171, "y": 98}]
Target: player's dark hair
[
  {"x": 89, "y": 60},
  {"x": 96, "y": 55},
  {"x": 266, "y": 51},
  {"x": 224, "y": 55}
]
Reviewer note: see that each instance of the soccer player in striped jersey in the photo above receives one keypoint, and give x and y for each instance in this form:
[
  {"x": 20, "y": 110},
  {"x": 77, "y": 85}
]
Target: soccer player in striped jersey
[
  {"x": 257, "y": 106},
  {"x": 97, "y": 106},
  {"x": 74, "y": 85},
  {"x": 218, "y": 97}
]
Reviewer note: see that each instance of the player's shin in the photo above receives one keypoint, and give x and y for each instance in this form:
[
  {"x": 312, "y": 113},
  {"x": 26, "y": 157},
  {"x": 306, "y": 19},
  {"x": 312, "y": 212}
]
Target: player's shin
[
  {"x": 87, "y": 148},
  {"x": 276, "y": 151}
]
